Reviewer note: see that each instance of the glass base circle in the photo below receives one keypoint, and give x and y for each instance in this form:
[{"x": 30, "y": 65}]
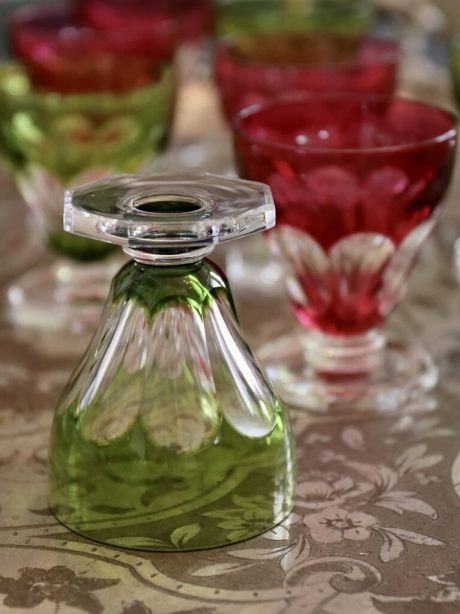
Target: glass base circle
[
  {"x": 147, "y": 543},
  {"x": 252, "y": 270},
  {"x": 403, "y": 375},
  {"x": 61, "y": 296}
]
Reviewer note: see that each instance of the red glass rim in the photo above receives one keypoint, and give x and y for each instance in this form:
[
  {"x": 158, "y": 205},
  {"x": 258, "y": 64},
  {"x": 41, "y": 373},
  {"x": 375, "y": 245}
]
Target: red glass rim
[
  {"x": 195, "y": 18},
  {"x": 63, "y": 25},
  {"x": 387, "y": 56},
  {"x": 448, "y": 134}
]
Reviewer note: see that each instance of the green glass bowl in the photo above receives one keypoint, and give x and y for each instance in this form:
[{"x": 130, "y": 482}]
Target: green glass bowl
[
  {"x": 455, "y": 68},
  {"x": 52, "y": 141},
  {"x": 339, "y": 16}
]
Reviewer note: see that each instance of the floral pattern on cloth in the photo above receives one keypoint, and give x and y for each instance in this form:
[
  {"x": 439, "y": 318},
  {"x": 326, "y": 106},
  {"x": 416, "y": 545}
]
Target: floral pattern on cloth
[
  {"x": 334, "y": 524},
  {"x": 59, "y": 585},
  {"x": 320, "y": 489},
  {"x": 365, "y": 513},
  {"x": 335, "y": 505}
]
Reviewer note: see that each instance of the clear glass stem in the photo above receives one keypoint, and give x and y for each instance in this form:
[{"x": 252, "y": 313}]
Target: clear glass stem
[
  {"x": 64, "y": 295},
  {"x": 353, "y": 355}
]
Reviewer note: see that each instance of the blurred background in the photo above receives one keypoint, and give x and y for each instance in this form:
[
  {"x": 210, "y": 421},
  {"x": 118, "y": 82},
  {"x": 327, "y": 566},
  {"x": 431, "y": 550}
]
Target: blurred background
[
  {"x": 440, "y": 19},
  {"x": 211, "y": 82},
  {"x": 6, "y": 8}
]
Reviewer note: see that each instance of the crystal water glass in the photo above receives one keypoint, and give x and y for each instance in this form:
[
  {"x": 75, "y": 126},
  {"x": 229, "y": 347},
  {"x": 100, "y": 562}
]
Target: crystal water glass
[
  {"x": 357, "y": 183},
  {"x": 168, "y": 432}
]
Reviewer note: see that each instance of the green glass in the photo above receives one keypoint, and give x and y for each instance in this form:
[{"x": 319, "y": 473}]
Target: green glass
[
  {"x": 168, "y": 482},
  {"x": 455, "y": 68},
  {"x": 340, "y": 16},
  {"x": 168, "y": 435},
  {"x": 51, "y": 141}
]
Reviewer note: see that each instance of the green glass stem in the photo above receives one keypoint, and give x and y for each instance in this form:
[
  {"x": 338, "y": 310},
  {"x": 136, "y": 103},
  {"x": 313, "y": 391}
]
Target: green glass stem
[{"x": 192, "y": 449}]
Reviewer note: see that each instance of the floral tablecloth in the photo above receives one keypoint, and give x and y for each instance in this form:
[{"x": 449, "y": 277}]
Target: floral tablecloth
[{"x": 376, "y": 527}]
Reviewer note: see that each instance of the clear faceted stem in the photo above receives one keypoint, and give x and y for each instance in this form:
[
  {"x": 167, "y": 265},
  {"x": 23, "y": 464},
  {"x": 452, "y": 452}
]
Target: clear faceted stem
[
  {"x": 352, "y": 355},
  {"x": 64, "y": 295}
]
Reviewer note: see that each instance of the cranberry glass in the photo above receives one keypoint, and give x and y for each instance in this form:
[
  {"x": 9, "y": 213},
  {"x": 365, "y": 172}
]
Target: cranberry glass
[
  {"x": 65, "y": 53},
  {"x": 254, "y": 68},
  {"x": 195, "y": 17},
  {"x": 357, "y": 183},
  {"x": 193, "y": 20}
]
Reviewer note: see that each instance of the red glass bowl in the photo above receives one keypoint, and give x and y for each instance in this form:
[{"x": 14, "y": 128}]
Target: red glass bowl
[
  {"x": 195, "y": 17},
  {"x": 63, "y": 54},
  {"x": 252, "y": 69},
  {"x": 356, "y": 182}
]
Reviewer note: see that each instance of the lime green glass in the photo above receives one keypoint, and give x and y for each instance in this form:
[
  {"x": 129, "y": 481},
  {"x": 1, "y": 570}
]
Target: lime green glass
[
  {"x": 168, "y": 436},
  {"x": 339, "y": 16},
  {"x": 50, "y": 141},
  {"x": 455, "y": 66}
]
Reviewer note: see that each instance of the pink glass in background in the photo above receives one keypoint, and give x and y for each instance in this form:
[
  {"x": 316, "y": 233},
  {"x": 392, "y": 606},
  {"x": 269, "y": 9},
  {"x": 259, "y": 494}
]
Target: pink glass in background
[
  {"x": 357, "y": 183},
  {"x": 63, "y": 53},
  {"x": 252, "y": 69},
  {"x": 195, "y": 17}
]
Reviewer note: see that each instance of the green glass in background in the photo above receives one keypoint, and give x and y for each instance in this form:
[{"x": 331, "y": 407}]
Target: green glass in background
[
  {"x": 81, "y": 103},
  {"x": 51, "y": 141},
  {"x": 168, "y": 435},
  {"x": 455, "y": 68},
  {"x": 235, "y": 17}
]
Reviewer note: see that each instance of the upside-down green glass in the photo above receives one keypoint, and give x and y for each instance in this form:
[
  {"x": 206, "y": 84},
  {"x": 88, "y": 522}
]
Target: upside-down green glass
[{"x": 168, "y": 436}]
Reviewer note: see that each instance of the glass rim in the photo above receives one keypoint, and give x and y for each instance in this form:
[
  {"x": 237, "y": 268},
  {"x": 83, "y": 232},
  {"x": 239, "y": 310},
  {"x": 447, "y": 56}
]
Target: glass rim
[
  {"x": 389, "y": 57},
  {"x": 50, "y": 98},
  {"x": 31, "y": 20},
  {"x": 239, "y": 117}
]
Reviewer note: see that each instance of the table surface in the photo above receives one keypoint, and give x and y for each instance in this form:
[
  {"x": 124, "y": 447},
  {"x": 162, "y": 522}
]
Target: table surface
[{"x": 393, "y": 481}]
